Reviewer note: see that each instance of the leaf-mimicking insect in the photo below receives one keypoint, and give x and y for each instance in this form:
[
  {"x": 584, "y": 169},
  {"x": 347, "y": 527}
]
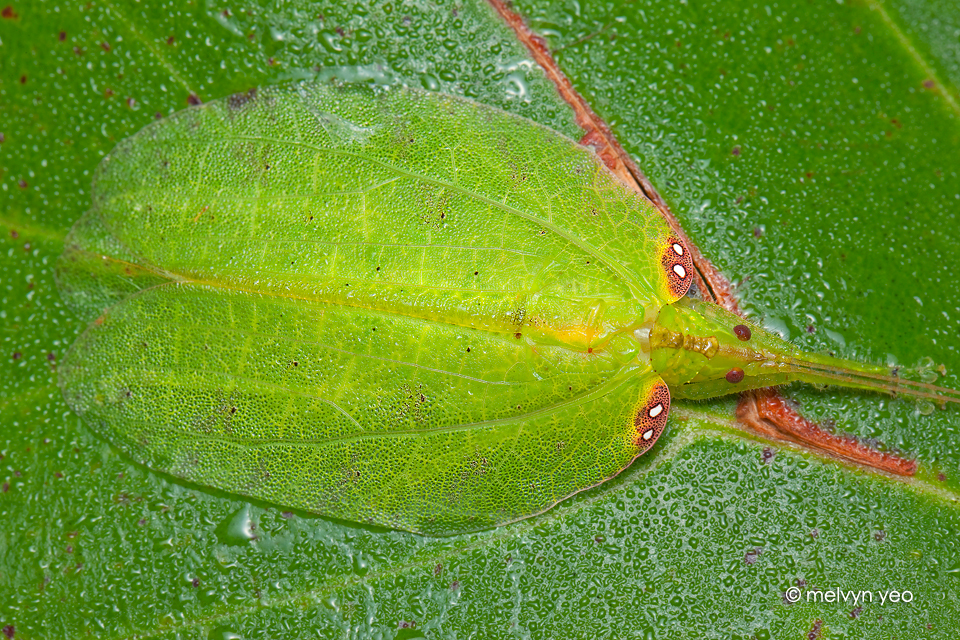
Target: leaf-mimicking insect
[{"x": 394, "y": 307}]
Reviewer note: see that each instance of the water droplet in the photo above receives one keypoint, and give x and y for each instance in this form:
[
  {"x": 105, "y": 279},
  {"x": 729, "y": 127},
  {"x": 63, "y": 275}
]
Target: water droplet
[
  {"x": 223, "y": 633},
  {"x": 237, "y": 529}
]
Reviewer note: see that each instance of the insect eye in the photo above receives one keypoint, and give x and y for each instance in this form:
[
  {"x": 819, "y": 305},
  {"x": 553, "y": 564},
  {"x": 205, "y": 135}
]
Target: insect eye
[{"x": 735, "y": 375}]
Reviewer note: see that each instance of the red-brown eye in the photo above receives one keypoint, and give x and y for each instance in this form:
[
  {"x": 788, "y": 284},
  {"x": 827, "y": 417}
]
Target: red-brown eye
[{"x": 735, "y": 375}]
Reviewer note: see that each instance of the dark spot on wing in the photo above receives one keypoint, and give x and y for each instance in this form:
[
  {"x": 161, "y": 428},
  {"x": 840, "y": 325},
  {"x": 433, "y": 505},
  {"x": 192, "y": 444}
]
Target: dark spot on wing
[
  {"x": 651, "y": 416},
  {"x": 677, "y": 265},
  {"x": 239, "y": 100}
]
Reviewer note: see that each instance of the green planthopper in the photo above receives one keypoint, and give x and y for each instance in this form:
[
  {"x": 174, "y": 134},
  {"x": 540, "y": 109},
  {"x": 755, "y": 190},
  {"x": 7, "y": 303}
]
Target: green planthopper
[{"x": 393, "y": 307}]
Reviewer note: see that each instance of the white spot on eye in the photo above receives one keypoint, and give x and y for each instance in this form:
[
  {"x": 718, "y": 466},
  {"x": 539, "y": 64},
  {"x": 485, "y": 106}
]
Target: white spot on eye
[
  {"x": 648, "y": 434},
  {"x": 655, "y": 410},
  {"x": 680, "y": 271},
  {"x": 678, "y": 248}
]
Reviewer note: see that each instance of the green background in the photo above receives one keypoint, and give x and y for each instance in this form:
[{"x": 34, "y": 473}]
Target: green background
[{"x": 836, "y": 218}]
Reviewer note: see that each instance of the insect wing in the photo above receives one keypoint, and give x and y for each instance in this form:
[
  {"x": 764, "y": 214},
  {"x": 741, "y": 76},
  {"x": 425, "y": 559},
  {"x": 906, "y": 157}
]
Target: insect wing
[
  {"x": 366, "y": 417},
  {"x": 375, "y": 306}
]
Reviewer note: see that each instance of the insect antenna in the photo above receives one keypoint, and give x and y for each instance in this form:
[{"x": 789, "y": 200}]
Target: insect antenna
[{"x": 885, "y": 383}]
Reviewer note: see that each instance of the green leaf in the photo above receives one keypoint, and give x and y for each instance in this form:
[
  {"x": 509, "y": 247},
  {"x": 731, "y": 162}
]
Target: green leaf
[{"x": 699, "y": 539}]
